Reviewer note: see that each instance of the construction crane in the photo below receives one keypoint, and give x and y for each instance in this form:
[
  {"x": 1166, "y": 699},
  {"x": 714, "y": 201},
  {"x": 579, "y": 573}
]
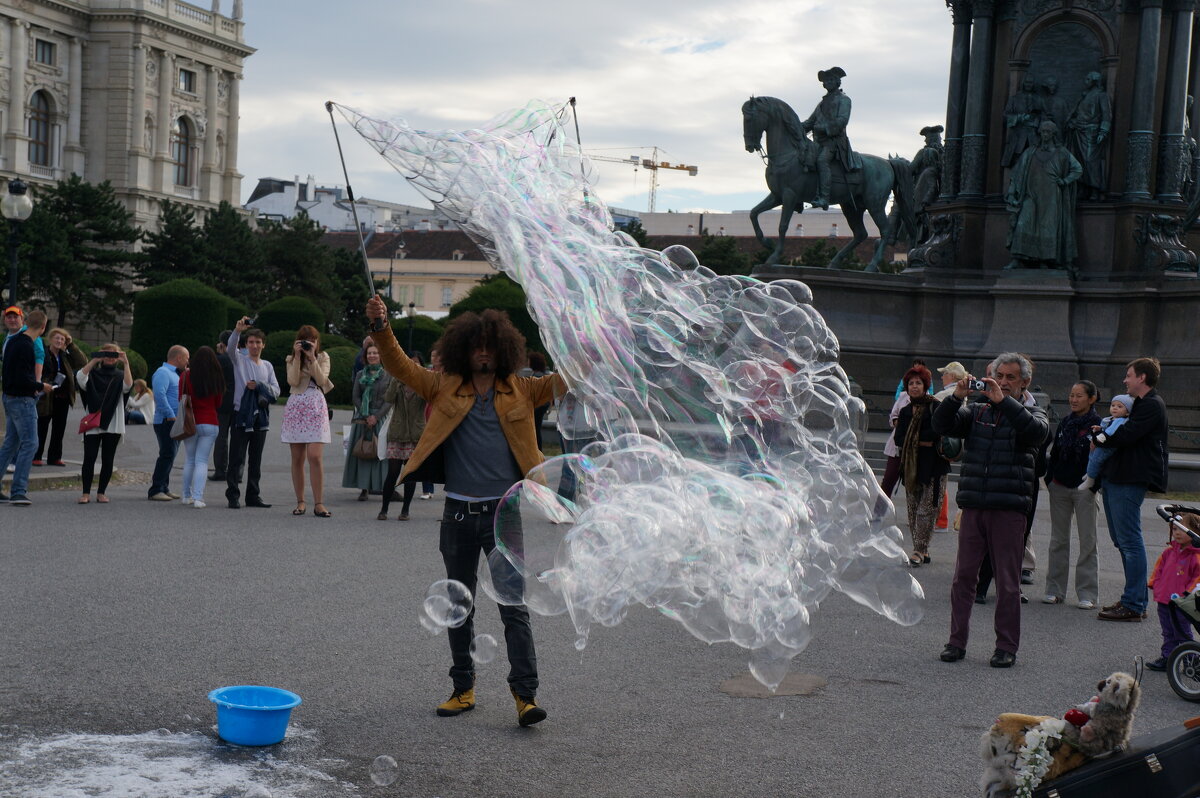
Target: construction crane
[{"x": 653, "y": 164}]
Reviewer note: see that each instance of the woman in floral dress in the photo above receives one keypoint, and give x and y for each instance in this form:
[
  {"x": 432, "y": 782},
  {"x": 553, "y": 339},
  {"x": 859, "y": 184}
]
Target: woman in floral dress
[{"x": 306, "y": 417}]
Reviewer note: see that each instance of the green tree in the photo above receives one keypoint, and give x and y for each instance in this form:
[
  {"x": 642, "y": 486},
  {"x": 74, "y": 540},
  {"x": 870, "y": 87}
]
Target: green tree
[
  {"x": 721, "y": 254},
  {"x": 236, "y": 265},
  {"x": 817, "y": 256},
  {"x": 77, "y": 253},
  {"x": 178, "y": 248},
  {"x": 637, "y": 232},
  {"x": 350, "y": 279},
  {"x": 499, "y": 291},
  {"x": 294, "y": 250}
]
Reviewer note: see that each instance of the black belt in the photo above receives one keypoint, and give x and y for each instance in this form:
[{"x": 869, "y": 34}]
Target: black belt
[{"x": 474, "y": 508}]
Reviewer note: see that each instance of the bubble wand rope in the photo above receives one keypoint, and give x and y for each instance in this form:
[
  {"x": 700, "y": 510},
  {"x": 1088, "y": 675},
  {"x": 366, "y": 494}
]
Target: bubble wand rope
[{"x": 362, "y": 244}]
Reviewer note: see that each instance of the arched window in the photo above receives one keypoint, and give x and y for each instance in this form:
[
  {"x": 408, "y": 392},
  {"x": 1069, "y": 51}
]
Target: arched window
[
  {"x": 39, "y": 129},
  {"x": 181, "y": 151}
]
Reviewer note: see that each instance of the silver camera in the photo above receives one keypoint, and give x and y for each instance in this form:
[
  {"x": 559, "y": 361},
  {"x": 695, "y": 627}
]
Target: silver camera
[{"x": 976, "y": 385}]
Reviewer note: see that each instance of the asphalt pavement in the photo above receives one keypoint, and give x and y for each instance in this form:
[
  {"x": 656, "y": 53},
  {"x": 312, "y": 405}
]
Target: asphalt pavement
[{"x": 118, "y": 619}]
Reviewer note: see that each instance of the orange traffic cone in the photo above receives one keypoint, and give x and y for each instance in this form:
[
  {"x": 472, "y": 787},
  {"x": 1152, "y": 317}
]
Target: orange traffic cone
[{"x": 943, "y": 520}]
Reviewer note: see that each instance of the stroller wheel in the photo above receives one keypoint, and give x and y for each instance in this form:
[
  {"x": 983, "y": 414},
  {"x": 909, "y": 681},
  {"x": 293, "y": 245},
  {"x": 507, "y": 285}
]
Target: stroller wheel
[{"x": 1183, "y": 671}]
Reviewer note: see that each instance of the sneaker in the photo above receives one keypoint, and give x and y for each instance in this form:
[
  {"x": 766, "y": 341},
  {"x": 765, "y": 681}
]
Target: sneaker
[
  {"x": 426, "y": 496},
  {"x": 1159, "y": 664},
  {"x": 459, "y": 702},
  {"x": 528, "y": 712},
  {"x": 171, "y": 496},
  {"x": 4, "y": 498},
  {"x": 1121, "y": 613},
  {"x": 187, "y": 501},
  {"x": 981, "y": 598},
  {"x": 216, "y": 477},
  {"x": 1027, "y": 576},
  {"x": 199, "y": 505},
  {"x": 1050, "y": 598},
  {"x": 1087, "y": 604},
  {"x": 1024, "y": 599},
  {"x": 161, "y": 497},
  {"x": 11, "y": 468},
  {"x": 20, "y": 500},
  {"x": 1002, "y": 659},
  {"x": 59, "y": 463}
]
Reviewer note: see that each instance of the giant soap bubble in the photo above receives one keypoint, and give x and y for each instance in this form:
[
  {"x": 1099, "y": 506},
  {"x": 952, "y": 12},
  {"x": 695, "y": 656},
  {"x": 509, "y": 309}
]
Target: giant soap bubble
[{"x": 726, "y": 491}]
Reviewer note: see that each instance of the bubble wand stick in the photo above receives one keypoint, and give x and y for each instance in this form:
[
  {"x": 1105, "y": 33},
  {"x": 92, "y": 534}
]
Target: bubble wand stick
[{"x": 362, "y": 244}]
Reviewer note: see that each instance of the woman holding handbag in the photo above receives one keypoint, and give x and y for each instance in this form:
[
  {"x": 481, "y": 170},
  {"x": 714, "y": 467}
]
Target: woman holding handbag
[
  {"x": 63, "y": 359},
  {"x": 202, "y": 386},
  {"x": 363, "y": 468},
  {"x": 104, "y": 388},
  {"x": 306, "y": 418}
]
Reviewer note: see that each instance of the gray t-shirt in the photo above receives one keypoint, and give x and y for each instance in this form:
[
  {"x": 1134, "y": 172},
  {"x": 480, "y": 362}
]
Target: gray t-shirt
[{"x": 479, "y": 462}]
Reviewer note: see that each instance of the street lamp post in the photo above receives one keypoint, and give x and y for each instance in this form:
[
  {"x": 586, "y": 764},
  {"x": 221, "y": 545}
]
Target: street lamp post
[
  {"x": 412, "y": 315},
  {"x": 16, "y": 207}
]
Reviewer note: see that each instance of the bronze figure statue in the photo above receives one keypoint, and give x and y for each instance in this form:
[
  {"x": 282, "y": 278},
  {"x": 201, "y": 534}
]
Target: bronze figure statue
[
  {"x": 1055, "y": 107},
  {"x": 828, "y": 123},
  {"x": 1022, "y": 116},
  {"x": 791, "y": 158},
  {"x": 1041, "y": 199},
  {"x": 1090, "y": 124}
]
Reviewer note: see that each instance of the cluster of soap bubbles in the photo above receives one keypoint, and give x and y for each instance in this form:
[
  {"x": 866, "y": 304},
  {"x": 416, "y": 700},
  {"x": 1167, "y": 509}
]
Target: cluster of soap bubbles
[
  {"x": 725, "y": 488},
  {"x": 447, "y": 604}
]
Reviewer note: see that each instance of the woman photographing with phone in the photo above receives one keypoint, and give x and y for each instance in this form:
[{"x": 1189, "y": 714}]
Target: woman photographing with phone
[
  {"x": 104, "y": 389},
  {"x": 306, "y": 417}
]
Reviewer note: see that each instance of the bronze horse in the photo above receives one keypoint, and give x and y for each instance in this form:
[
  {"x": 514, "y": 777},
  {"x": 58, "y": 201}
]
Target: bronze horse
[{"x": 792, "y": 179}]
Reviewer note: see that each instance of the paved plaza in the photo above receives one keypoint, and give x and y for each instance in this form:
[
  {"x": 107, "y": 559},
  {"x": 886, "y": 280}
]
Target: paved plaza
[{"x": 119, "y": 619}]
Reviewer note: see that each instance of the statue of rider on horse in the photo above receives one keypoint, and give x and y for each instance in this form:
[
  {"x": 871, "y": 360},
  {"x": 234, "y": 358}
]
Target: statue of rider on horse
[{"x": 826, "y": 171}]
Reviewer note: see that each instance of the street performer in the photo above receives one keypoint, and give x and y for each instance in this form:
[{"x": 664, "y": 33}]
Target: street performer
[
  {"x": 828, "y": 126},
  {"x": 479, "y": 441}
]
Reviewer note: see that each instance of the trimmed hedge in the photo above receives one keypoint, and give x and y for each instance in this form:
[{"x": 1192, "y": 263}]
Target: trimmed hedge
[
  {"x": 341, "y": 366},
  {"x": 333, "y": 341},
  {"x": 183, "y": 311},
  {"x": 426, "y": 331},
  {"x": 289, "y": 313},
  {"x": 234, "y": 313}
]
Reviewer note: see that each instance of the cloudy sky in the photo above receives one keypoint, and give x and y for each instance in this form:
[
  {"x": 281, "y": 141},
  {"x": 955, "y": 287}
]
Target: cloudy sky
[{"x": 666, "y": 73}]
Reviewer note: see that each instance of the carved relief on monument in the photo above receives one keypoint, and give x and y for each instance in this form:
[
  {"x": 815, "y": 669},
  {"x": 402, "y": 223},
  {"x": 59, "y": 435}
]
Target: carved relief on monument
[
  {"x": 1159, "y": 236},
  {"x": 938, "y": 251},
  {"x": 151, "y": 68}
]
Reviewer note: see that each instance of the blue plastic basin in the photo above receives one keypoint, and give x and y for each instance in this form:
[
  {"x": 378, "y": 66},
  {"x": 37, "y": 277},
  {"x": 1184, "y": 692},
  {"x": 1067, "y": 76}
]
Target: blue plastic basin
[{"x": 253, "y": 715}]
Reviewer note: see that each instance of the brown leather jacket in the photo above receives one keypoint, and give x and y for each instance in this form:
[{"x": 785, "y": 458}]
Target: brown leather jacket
[{"x": 452, "y": 400}]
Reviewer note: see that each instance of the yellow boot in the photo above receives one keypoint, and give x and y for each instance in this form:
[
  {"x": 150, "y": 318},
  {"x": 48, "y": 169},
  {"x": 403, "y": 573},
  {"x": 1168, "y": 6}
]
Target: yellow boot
[
  {"x": 461, "y": 701},
  {"x": 528, "y": 712}
]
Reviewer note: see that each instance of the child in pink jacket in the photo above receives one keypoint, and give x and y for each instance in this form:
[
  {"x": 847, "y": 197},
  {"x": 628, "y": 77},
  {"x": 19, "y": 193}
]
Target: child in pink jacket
[{"x": 1175, "y": 574}]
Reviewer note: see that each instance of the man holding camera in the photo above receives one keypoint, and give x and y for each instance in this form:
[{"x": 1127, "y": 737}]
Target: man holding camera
[
  {"x": 165, "y": 383},
  {"x": 1001, "y": 436},
  {"x": 21, "y": 385},
  {"x": 255, "y": 387}
]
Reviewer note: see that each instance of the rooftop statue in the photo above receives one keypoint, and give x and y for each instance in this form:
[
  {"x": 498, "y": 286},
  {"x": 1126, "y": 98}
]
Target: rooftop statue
[{"x": 792, "y": 164}]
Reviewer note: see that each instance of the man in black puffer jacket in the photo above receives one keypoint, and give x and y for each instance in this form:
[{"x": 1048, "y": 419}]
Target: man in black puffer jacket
[{"x": 1001, "y": 437}]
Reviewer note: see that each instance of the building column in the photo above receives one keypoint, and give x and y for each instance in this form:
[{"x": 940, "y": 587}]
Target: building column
[
  {"x": 164, "y": 177},
  {"x": 16, "y": 148},
  {"x": 73, "y": 151},
  {"x": 1141, "y": 117},
  {"x": 137, "y": 113},
  {"x": 960, "y": 54},
  {"x": 233, "y": 180},
  {"x": 210, "y": 181},
  {"x": 1171, "y": 144},
  {"x": 979, "y": 84}
]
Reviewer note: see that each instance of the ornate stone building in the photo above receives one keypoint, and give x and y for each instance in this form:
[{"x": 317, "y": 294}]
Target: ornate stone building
[{"x": 142, "y": 93}]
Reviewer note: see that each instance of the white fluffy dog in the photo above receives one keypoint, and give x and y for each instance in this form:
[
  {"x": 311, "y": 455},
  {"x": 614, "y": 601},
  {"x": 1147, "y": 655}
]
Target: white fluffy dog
[{"x": 1092, "y": 729}]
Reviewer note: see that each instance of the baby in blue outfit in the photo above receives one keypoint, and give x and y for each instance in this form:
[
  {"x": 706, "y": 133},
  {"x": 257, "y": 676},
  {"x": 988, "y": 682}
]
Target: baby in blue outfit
[{"x": 1119, "y": 410}]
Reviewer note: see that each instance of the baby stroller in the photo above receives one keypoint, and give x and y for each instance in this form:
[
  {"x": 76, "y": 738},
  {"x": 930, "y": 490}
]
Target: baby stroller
[{"x": 1183, "y": 666}]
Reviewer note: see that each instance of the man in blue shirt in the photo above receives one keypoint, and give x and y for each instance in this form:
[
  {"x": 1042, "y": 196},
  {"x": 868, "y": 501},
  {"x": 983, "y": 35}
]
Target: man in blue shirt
[{"x": 165, "y": 383}]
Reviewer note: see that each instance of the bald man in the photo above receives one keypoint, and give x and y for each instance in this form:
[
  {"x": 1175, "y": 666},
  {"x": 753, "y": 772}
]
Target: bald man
[{"x": 166, "y": 404}]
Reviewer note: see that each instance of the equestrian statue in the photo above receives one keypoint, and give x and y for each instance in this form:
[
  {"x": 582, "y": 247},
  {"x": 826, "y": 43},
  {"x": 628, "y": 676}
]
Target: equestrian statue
[{"x": 825, "y": 171}]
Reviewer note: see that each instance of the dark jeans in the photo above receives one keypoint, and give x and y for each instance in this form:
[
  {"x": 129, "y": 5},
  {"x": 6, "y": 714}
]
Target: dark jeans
[
  {"x": 463, "y": 537},
  {"x": 568, "y": 482},
  {"x": 161, "y": 481},
  {"x": 104, "y": 444},
  {"x": 221, "y": 446},
  {"x": 241, "y": 440},
  {"x": 1123, "y": 510},
  {"x": 53, "y": 427},
  {"x": 999, "y": 534}
]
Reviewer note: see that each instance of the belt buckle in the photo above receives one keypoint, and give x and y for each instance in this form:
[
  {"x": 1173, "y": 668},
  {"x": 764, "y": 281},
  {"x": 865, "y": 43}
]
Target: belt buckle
[{"x": 477, "y": 508}]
